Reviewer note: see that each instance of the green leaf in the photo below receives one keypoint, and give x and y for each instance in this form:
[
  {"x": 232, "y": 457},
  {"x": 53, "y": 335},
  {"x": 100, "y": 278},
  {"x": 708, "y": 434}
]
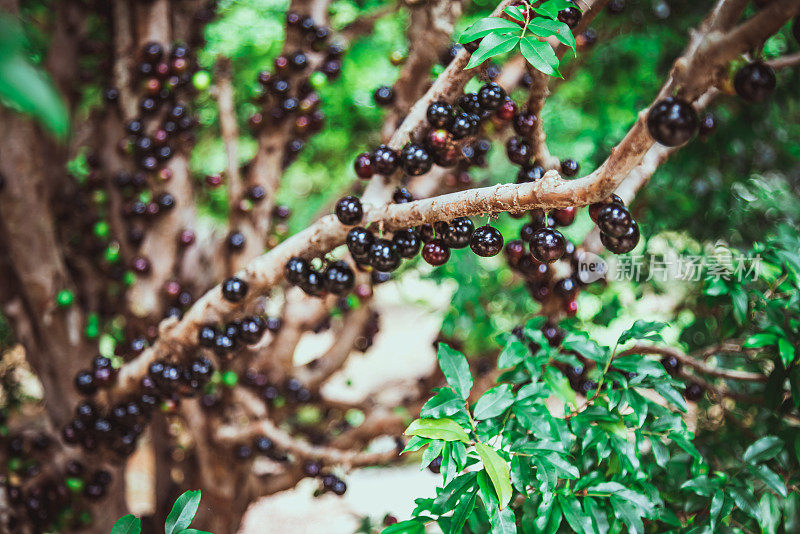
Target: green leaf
[
  {"x": 746, "y": 501},
  {"x": 540, "y": 54},
  {"x": 660, "y": 451},
  {"x": 492, "y": 45},
  {"x": 444, "y": 404},
  {"x": 544, "y": 27},
  {"x": 456, "y": 370},
  {"x": 515, "y": 13},
  {"x": 670, "y": 394},
  {"x": 462, "y": 512},
  {"x": 585, "y": 347},
  {"x": 129, "y": 524},
  {"x": 763, "y": 449},
  {"x": 498, "y": 471},
  {"x": 489, "y": 25},
  {"x": 769, "y": 477},
  {"x": 445, "y": 429},
  {"x": 183, "y": 511},
  {"x": 415, "y": 444},
  {"x": 552, "y": 7},
  {"x": 786, "y": 351},
  {"x": 573, "y": 513},
  {"x": 647, "y": 330},
  {"x": 412, "y": 526},
  {"x": 503, "y": 521},
  {"x": 757, "y": 341},
  {"x": 494, "y": 402},
  {"x": 513, "y": 353},
  {"x": 739, "y": 301},
  {"x": 617, "y": 489},
  {"x": 29, "y": 90},
  {"x": 452, "y": 491},
  {"x": 431, "y": 453}
]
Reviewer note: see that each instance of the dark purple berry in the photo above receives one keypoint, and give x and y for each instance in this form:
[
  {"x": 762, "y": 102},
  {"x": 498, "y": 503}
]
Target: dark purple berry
[
  {"x": 547, "y": 245},
  {"x": 486, "y": 241},
  {"x": 349, "y": 210},
  {"x": 672, "y": 121}
]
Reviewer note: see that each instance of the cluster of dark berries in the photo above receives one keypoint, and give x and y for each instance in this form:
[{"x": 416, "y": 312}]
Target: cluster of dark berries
[
  {"x": 619, "y": 233},
  {"x": 540, "y": 277},
  {"x": 57, "y": 502},
  {"x": 224, "y": 340},
  {"x": 262, "y": 446},
  {"x": 292, "y": 390},
  {"x": 446, "y": 143},
  {"x": 165, "y": 78},
  {"x": 336, "y": 277},
  {"x": 694, "y": 391},
  {"x": 330, "y": 482},
  {"x": 118, "y": 428},
  {"x": 100, "y": 376},
  {"x": 385, "y": 255},
  {"x": 288, "y": 92}
]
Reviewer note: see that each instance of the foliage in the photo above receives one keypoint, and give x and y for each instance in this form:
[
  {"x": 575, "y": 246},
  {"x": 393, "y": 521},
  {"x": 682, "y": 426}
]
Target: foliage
[
  {"x": 500, "y": 36},
  {"x": 23, "y": 85},
  {"x": 177, "y": 522},
  {"x": 530, "y": 455}
]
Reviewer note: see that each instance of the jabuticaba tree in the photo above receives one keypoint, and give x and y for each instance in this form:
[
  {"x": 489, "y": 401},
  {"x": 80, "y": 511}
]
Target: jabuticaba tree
[{"x": 151, "y": 213}]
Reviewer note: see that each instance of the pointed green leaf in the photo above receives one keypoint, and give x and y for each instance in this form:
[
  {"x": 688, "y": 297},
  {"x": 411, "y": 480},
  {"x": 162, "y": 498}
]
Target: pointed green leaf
[
  {"x": 769, "y": 477},
  {"x": 763, "y": 449},
  {"x": 498, "y": 471},
  {"x": 456, "y": 370},
  {"x": 786, "y": 351},
  {"x": 444, "y": 404},
  {"x": 756, "y": 341},
  {"x": 431, "y": 453},
  {"x": 412, "y": 526},
  {"x": 462, "y": 512},
  {"x": 573, "y": 513},
  {"x": 183, "y": 511},
  {"x": 31, "y": 91},
  {"x": 647, "y": 330},
  {"x": 515, "y": 13},
  {"x": 492, "y": 45},
  {"x": 670, "y": 394},
  {"x": 513, "y": 353},
  {"x": 445, "y": 429},
  {"x": 455, "y": 489},
  {"x": 489, "y": 25},
  {"x": 540, "y": 54},
  {"x": 550, "y": 8},
  {"x": 494, "y": 402},
  {"x": 745, "y": 501},
  {"x": 129, "y": 524},
  {"x": 544, "y": 27}
]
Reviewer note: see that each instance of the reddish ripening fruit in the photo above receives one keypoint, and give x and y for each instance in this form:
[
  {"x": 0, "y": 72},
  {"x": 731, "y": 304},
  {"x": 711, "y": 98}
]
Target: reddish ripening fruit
[
  {"x": 564, "y": 216},
  {"x": 595, "y": 208},
  {"x": 439, "y": 139},
  {"x": 672, "y": 121},
  {"x": 363, "y": 165},
  {"x": 547, "y": 245},
  {"x": 435, "y": 252},
  {"x": 486, "y": 241},
  {"x": 507, "y": 110}
]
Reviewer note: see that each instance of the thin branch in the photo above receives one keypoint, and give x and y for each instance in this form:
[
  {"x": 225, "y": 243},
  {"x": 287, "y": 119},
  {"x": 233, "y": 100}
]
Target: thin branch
[
  {"x": 697, "y": 364},
  {"x": 302, "y": 449},
  {"x": 782, "y": 62},
  {"x": 229, "y": 131}
]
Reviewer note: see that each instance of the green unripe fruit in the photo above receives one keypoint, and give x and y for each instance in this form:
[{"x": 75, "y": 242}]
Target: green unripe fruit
[
  {"x": 201, "y": 80},
  {"x": 65, "y": 298}
]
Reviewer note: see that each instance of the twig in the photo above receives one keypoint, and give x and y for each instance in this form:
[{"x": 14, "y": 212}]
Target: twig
[{"x": 695, "y": 363}]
